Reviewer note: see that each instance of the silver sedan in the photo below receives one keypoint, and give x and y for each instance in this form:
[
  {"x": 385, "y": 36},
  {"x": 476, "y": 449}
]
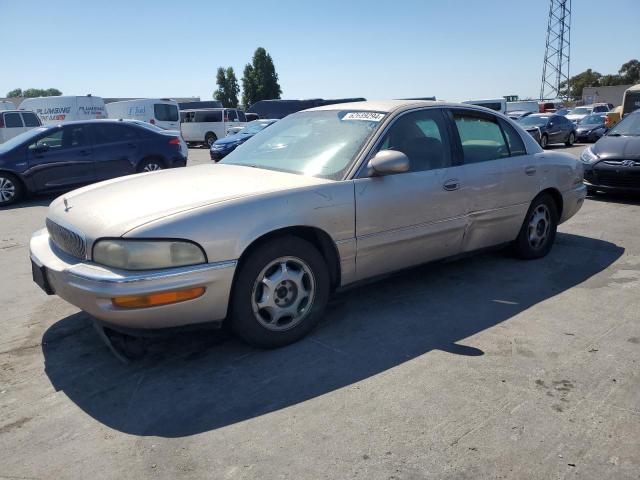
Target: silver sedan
[{"x": 323, "y": 198}]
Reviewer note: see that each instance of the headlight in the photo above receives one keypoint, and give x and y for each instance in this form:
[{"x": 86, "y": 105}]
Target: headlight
[
  {"x": 147, "y": 254},
  {"x": 588, "y": 156}
]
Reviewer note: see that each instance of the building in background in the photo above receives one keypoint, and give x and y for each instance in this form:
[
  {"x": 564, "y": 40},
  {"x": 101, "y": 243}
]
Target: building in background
[{"x": 612, "y": 94}]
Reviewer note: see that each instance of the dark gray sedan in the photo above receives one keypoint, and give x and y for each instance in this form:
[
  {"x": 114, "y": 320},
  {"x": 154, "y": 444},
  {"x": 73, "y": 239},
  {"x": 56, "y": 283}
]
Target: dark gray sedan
[
  {"x": 549, "y": 128},
  {"x": 591, "y": 128}
]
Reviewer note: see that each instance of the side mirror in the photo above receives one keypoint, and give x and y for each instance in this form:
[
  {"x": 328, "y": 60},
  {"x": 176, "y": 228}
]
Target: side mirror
[{"x": 388, "y": 162}]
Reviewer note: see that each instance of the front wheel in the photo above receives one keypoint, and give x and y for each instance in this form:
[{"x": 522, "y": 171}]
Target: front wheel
[
  {"x": 538, "y": 231},
  {"x": 10, "y": 189},
  {"x": 209, "y": 138},
  {"x": 570, "y": 140},
  {"x": 280, "y": 292},
  {"x": 544, "y": 141}
]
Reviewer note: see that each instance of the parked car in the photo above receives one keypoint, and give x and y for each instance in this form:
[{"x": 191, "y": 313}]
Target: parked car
[
  {"x": 7, "y": 105},
  {"x": 612, "y": 164},
  {"x": 221, "y": 148},
  {"x": 250, "y": 117},
  {"x": 281, "y": 108},
  {"x": 578, "y": 113},
  {"x": 591, "y": 127},
  {"x": 60, "y": 157},
  {"x": 549, "y": 106},
  {"x": 549, "y": 128},
  {"x": 208, "y": 125},
  {"x": 319, "y": 200},
  {"x": 518, "y": 114},
  {"x": 530, "y": 106},
  {"x": 563, "y": 112},
  {"x": 161, "y": 112},
  {"x": 53, "y": 110},
  {"x": 15, "y": 122}
]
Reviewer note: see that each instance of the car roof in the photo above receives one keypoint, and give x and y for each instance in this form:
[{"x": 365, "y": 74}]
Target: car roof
[
  {"x": 390, "y": 106},
  {"x": 94, "y": 120}
]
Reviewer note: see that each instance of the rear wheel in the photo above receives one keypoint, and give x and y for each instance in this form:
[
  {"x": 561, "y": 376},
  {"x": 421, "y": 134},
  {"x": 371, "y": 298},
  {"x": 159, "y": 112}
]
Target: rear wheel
[
  {"x": 538, "y": 231},
  {"x": 544, "y": 141},
  {"x": 570, "y": 140},
  {"x": 151, "y": 165},
  {"x": 11, "y": 189},
  {"x": 280, "y": 292},
  {"x": 591, "y": 190},
  {"x": 209, "y": 138}
]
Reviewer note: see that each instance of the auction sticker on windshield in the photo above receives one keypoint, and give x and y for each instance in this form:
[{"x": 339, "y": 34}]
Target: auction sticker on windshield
[{"x": 368, "y": 116}]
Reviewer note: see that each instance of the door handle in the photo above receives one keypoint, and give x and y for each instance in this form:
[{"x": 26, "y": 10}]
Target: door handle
[
  {"x": 451, "y": 185},
  {"x": 530, "y": 170}
]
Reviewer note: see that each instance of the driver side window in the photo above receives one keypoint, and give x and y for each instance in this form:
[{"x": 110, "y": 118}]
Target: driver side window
[
  {"x": 51, "y": 141},
  {"x": 422, "y": 137}
]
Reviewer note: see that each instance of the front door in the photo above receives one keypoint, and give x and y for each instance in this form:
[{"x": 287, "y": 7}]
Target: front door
[
  {"x": 414, "y": 217},
  {"x": 61, "y": 158}
]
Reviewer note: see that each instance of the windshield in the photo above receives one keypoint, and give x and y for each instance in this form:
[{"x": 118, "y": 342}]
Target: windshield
[
  {"x": 531, "y": 121},
  {"x": 563, "y": 111},
  {"x": 22, "y": 138},
  {"x": 319, "y": 144},
  {"x": 591, "y": 120},
  {"x": 254, "y": 127},
  {"x": 581, "y": 111},
  {"x": 629, "y": 126}
]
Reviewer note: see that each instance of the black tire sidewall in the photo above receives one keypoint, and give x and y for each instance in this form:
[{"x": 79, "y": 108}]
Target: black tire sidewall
[
  {"x": 544, "y": 141},
  {"x": 19, "y": 192},
  {"x": 211, "y": 136},
  {"x": 521, "y": 245},
  {"x": 242, "y": 318},
  {"x": 571, "y": 139}
]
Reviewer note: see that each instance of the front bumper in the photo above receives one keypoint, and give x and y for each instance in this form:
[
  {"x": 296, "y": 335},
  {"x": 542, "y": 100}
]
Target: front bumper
[
  {"x": 612, "y": 178},
  {"x": 572, "y": 201},
  {"x": 91, "y": 287},
  {"x": 220, "y": 154}
]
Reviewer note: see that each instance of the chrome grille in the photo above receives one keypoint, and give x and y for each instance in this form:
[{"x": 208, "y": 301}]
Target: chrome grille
[{"x": 66, "y": 240}]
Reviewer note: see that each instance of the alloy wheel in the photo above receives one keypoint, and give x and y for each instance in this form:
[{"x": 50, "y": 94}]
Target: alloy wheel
[
  {"x": 151, "y": 167},
  {"x": 539, "y": 226},
  {"x": 283, "y": 293},
  {"x": 7, "y": 190}
]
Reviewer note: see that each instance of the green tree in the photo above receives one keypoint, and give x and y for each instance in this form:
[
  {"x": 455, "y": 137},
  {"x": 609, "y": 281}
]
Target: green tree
[
  {"x": 34, "y": 92},
  {"x": 630, "y": 72},
  {"x": 228, "y": 88},
  {"x": 260, "y": 80},
  {"x": 573, "y": 88},
  {"x": 16, "y": 92}
]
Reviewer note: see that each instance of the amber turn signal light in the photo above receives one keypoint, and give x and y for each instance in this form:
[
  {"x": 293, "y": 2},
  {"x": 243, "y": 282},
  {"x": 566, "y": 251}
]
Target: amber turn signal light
[{"x": 156, "y": 299}]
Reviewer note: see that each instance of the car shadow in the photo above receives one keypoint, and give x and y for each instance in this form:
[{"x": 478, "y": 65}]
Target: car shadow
[
  {"x": 33, "y": 201},
  {"x": 195, "y": 382},
  {"x": 620, "y": 198}
]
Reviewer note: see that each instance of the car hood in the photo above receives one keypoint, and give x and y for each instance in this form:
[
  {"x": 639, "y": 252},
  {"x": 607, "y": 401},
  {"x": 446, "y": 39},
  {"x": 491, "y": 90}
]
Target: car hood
[
  {"x": 623, "y": 148},
  {"x": 589, "y": 126},
  {"x": 239, "y": 137},
  {"x": 114, "y": 207}
]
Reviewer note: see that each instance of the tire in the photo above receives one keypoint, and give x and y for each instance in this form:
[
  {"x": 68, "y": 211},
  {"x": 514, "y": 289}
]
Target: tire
[
  {"x": 592, "y": 190},
  {"x": 11, "y": 189},
  {"x": 570, "y": 139},
  {"x": 538, "y": 230},
  {"x": 151, "y": 165},
  {"x": 209, "y": 138},
  {"x": 299, "y": 293},
  {"x": 544, "y": 141}
]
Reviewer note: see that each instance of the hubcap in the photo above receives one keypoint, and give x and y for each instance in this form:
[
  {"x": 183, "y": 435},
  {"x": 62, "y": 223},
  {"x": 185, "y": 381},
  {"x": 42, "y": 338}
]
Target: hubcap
[
  {"x": 544, "y": 141},
  {"x": 7, "y": 190},
  {"x": 283, "y": 293},
  {"x": 151, "y": 167},
  {"x": 539, "y": 227}
]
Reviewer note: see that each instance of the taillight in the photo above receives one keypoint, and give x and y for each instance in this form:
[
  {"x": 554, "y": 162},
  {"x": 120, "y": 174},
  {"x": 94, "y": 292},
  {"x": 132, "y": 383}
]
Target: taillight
[
  {"x": 152, "y": 121},
  {"x": 174, "y": 141}
]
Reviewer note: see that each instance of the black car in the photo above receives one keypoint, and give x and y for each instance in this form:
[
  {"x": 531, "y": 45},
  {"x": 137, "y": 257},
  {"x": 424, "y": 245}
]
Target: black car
[
  {"x": 61, "y": 157},
  {"x": 223, "y": 147},
  {"x": 591, "y": 128},
  {"x": 613, "y": 162},
  {"x": 548, "y": 128}
]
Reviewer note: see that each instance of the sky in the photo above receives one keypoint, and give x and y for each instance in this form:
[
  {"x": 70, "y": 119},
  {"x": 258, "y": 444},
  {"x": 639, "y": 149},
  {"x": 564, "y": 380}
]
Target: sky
[{"x": 455, "y": 50}]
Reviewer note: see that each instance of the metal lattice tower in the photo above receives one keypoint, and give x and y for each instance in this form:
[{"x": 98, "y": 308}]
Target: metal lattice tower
[{"x": 556, "y": 55}]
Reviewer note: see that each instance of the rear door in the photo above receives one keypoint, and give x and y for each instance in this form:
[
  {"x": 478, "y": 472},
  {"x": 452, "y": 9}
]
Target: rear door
[
  {"x": 231, "y": 119},
  {"x": 499, "y": 178},
  {"x": 62, "y": 158},
  {"x": 417, "y": 216},
  {"x": 166, "y": 116},
  {"x": 556, "y": 129},
  {"x": 115, "y": 149}
]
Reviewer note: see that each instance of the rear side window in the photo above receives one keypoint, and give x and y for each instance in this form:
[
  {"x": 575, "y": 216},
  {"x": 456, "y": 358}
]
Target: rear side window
[
  {"x": 204, "y": 116},
  {"x": 110, "y": 133},
  {"x": 74, "y": 136},
  {"x": 12, "y": 120},
  {"x": 165, "y": 112},
  {"x": 30, "y": 120},
  {"x": 516, "y": 145},
  {"x": 230, "y": 116},
  {"x": 241, "y": 116},
  {"x": 481, "y": 137}
]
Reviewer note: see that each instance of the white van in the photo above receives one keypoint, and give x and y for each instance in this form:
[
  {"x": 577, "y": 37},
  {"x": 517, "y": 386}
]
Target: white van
[
  {"x": 6, "y": 105},
  {"x": 15, "y": 122},
  {"x": 524, "y": 106},
  {"x": 209, "y": 124},
  {"x": 161, "y": 112},
  {"x": 498, "y": 104},
  {"x": 65, "y": 108}
]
